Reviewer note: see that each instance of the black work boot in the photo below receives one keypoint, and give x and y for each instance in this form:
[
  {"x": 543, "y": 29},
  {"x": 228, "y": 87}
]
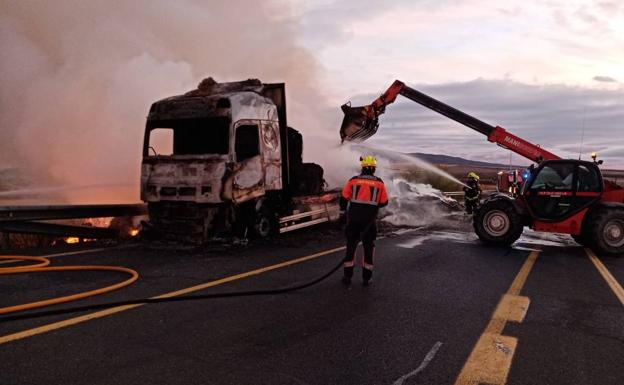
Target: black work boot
[
  {"x": 367, "y": 277},
  {"x": 346, "y": 275}
]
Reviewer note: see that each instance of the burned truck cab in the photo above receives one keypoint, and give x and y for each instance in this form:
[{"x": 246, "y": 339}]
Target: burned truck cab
[
  {"x": 211, "y": 149},
  {"x": 218, "y": 155}
]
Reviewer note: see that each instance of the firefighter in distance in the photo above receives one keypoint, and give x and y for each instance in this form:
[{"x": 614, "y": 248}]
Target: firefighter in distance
[
  {"x": 362, "y": 196},
  {"x": 472, "y": 192}
]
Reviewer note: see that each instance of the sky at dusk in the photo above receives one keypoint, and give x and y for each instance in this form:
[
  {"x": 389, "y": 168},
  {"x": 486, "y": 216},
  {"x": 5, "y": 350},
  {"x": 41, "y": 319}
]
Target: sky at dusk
[
  {"x": 544, "y": 70},
  {"x": 79, "y": 77}
]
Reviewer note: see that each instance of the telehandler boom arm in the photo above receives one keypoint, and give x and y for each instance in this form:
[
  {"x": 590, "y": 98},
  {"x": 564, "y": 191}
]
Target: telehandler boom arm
[{"x": 360, "y": 123}]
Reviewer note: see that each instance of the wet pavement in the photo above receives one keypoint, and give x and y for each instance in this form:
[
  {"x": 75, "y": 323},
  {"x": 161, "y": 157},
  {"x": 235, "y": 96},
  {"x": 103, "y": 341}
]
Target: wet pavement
[{"x": 434, "y": 298}]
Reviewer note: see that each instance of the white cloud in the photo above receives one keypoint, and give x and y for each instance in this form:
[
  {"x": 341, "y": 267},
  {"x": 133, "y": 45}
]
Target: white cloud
[
  {"x": 553, "y": 67},
  {"x": 562, "y": 41}
]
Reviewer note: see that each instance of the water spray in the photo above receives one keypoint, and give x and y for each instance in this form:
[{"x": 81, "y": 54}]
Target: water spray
[{"x": 419, "y": 163}]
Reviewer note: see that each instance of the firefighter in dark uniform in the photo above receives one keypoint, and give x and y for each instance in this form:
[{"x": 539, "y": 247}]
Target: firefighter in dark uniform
[
  {"x": 362, "y": 197},
  {"x": 472, "y": 192}
]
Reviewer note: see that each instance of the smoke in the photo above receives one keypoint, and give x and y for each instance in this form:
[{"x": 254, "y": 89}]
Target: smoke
[
  {"x": 411, "y": 204},
  {"x": 78, "y": 79},
  {"x": 420, "y": 205}
]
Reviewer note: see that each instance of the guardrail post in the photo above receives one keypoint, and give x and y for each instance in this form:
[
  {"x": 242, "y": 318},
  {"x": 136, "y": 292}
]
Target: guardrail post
[{"x": 5, "y": 241}]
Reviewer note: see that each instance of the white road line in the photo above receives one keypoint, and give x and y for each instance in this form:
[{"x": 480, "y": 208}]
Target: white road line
[{"x": 422, "y": 366}]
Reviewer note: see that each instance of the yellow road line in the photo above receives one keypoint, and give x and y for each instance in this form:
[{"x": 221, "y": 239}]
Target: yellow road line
[
  {"x": 107, "y": 312},
  {"x": 510, "y": 308},
  {"x": 249, "y": 273},
  {"x": 520, "y": 279},
  {"x": 602, "y": 269},
  {"x": 491, "y": 358}
]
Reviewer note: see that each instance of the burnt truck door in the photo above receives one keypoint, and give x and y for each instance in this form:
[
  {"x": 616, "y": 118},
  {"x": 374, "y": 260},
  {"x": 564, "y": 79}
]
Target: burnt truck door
[
  {"x": 248, "y": 172},
  {"x": 271, "y": 154}
]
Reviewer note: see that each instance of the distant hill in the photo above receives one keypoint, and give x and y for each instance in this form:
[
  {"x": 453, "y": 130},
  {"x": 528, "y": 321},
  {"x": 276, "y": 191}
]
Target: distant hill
[{"x": 446, "y": 159}]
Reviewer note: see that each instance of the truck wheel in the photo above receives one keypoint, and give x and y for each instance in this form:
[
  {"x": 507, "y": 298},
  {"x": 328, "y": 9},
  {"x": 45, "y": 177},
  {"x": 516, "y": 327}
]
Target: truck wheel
[
  {"x": 498, "y": 222},
  {"x": 607, "y": 231},
  {"x": 265, "y": 223}
]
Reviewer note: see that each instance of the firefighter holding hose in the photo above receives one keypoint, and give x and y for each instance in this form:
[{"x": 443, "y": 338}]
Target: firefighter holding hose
[
  {"x": 472, "y": 192},
  {"x": 362, "y": 197}
]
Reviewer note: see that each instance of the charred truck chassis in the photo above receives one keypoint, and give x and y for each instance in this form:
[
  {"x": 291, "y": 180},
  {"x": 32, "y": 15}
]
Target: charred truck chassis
[{"x": 231, "y": 165}]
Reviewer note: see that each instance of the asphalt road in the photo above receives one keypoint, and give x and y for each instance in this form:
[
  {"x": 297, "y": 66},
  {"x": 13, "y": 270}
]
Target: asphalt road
[{"x": 443, "y": 308}]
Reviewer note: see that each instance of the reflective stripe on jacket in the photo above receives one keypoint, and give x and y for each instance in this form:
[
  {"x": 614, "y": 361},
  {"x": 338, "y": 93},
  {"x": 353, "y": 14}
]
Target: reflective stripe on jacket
[{"x": 366, "y": 189}]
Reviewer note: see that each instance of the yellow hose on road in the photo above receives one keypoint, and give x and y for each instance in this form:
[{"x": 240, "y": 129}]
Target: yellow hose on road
[
  {"x": 42, "y": 263},
  {"x": 41, "y": 267}
]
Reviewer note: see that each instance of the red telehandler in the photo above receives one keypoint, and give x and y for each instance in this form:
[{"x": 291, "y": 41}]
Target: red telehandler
[{"x": 560, "y": 196}]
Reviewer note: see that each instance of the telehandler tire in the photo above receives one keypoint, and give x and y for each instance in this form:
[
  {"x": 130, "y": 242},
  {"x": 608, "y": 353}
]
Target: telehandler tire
[
  {"x": 581, "y": 239},
  {"x": 606, "y": 230},
  {"x": 585, "y": 237},
  {"x": 498, "y": 222}
]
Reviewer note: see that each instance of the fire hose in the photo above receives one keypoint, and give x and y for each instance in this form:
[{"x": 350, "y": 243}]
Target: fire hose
[{"x": 42, "y": 267}]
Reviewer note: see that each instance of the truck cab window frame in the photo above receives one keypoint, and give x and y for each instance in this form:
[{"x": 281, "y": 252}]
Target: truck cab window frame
[
  {"x": 196, "y": 136},
  {"x": 160, "y": 142},
  {"x": 246, "y": 141}
]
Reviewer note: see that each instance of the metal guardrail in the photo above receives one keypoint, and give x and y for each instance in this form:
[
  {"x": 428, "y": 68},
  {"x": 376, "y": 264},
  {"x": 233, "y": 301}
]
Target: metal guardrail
[
  {"x": 58, "y": 230},
  {"x": 453, "y": 193},
  {"x": 39, "y": 213},
  {"x": 23, "y": 220},
  {"x": 461, "y": 193}
]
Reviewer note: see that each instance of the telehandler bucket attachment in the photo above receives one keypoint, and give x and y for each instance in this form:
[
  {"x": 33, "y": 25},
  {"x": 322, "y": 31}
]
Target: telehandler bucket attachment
[{"x": 358, "y": 124}]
